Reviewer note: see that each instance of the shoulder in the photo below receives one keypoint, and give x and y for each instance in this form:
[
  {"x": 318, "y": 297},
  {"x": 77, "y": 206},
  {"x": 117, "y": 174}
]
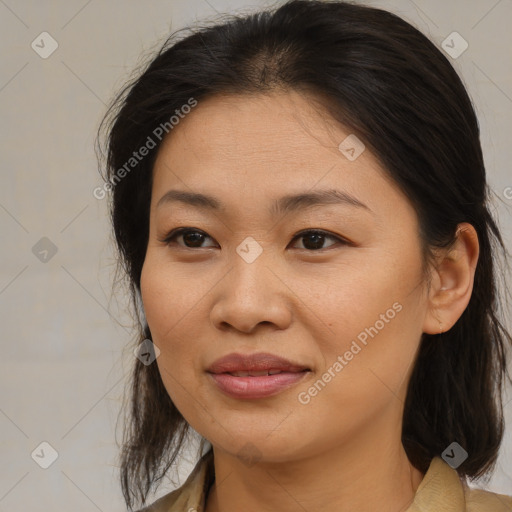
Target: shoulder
[
  {"x": 164, "y": 503},
  {"x": 478, "y": 500},
  {"x": 191, "y": 495},
  {"x": 442, "y": 489}
]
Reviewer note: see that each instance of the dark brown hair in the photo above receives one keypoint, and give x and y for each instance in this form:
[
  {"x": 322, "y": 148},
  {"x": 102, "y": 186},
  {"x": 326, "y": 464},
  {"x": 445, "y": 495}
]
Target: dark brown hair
[{"x": 400, "y": 95}]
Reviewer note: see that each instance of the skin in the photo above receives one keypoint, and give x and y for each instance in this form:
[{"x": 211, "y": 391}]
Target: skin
[{"x": 341, "y": 451}]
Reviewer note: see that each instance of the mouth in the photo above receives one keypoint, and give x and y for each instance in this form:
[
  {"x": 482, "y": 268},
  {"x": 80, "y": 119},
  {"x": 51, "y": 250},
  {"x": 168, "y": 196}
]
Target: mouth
[
  {"x": 262, "y": 373},
  {"x": 255, "y": 375},
  {"x": 255, "y": 365}
]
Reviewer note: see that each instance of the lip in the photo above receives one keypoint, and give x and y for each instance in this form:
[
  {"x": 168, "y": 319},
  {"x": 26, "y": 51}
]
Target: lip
[
  {"x": 260, "y": 361},
  {"x": 251, "y": 387}
]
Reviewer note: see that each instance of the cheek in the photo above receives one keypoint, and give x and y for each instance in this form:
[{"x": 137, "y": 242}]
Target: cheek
[
  {"x": 373, "y": 320},
  {"x": 171, "y": 296},
  {"x": 170, "y": 306},
  {"x": 361, "y": 294}
]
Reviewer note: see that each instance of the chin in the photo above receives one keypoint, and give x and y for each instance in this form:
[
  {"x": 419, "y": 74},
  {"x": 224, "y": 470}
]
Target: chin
[{"x": 260, "y": 447}]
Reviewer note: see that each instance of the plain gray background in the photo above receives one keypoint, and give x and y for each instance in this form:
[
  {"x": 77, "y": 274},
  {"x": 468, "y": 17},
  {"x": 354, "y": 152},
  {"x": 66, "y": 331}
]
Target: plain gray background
[{"x": 64, "y": 358}]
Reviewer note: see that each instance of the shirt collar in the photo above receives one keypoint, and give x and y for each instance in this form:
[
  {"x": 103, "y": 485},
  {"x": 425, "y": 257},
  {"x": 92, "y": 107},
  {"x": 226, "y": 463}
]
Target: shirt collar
[
  {"x": 197, "y": 485},
  {"x": 440, "y": 489}
]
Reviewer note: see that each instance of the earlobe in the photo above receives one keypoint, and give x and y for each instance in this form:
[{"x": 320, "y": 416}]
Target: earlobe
[{"x": 452, "y": 282}]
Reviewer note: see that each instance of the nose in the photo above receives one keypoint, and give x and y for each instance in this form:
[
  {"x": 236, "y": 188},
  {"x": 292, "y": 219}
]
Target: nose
[{"x": 250, "y": 296}]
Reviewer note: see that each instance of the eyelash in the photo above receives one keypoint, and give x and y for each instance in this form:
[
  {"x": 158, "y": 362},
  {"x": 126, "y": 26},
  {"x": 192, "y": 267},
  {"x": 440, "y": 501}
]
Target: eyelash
[{"x": 181, "y": 231}]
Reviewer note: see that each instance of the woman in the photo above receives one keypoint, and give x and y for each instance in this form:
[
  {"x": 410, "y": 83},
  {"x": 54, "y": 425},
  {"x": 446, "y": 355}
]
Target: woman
[{"x": 300, "y": 205}]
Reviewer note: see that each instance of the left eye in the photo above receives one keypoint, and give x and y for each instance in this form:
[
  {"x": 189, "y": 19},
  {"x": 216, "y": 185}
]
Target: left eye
[
  {"x": 316, "y": 239},
  {"x": 193, "y": 238}
]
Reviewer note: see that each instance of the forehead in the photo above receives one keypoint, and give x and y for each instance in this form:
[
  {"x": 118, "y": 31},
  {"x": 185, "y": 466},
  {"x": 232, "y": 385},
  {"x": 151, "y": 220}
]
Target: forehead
[
  {"x": 279, "y": 132},
  {"x": 248, "y": 148}
]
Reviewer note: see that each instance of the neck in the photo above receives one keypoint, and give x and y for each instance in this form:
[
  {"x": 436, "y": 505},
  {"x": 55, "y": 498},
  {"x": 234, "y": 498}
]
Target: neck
[{"x": 364, "y": 475}]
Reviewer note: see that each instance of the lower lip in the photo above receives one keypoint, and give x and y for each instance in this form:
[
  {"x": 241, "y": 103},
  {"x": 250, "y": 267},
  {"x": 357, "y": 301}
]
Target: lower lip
[{"x": 256, "y": 387}]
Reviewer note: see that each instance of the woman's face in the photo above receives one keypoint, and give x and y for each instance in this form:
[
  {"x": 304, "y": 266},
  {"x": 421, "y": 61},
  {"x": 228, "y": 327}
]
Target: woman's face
[{"x": 345, "y": 306}]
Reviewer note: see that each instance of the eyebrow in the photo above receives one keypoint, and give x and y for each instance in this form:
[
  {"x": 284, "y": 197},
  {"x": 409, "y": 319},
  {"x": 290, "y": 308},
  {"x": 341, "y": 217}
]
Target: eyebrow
[{"x": 285, "y": 204}]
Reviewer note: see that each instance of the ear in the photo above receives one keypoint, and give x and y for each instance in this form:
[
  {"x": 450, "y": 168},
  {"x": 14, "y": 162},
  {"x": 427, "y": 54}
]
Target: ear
[{"x": 452, "y": 281}]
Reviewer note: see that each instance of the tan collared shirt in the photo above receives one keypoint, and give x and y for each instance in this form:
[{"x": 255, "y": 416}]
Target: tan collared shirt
[{"x": 441, "y": 490}]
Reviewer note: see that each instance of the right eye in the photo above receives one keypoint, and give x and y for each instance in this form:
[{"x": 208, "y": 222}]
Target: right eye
[{"x": 192, "y": 238}]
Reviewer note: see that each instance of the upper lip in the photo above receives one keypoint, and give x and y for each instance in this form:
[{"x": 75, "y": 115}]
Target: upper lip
[{"x": 254, "y": 362}]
